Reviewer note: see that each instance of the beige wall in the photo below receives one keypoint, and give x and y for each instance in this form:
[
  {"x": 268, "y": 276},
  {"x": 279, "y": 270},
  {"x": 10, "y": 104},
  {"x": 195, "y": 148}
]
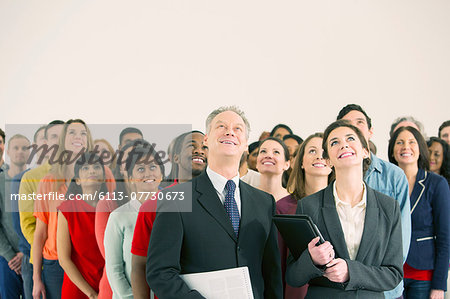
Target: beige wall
[{"x": 296, "y": 62}]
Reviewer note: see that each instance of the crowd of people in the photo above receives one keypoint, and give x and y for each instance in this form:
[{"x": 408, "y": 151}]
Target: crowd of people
[{"x": 89, "y": 221}]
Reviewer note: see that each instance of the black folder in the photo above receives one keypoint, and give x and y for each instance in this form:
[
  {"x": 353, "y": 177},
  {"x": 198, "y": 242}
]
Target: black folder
[{"x": 297, "y": 231}]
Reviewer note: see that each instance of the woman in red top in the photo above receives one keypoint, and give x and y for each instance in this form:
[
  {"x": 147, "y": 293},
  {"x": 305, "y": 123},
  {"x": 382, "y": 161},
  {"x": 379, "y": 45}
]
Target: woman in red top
[
  {"x": 75, "y": 138},
  {"x": 78, "y": 252}
]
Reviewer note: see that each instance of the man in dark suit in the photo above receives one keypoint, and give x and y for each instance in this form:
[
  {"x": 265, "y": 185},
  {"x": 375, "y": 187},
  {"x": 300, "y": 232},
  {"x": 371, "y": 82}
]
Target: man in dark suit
[{"x": 230, "y": 224}]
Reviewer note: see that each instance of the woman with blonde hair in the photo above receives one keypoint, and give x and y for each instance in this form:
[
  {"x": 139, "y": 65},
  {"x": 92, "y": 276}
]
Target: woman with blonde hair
[
  {"x": 310, "y": 173},
  {"x": 75, "y": 140},
  {"x": 102, "y": 146}
]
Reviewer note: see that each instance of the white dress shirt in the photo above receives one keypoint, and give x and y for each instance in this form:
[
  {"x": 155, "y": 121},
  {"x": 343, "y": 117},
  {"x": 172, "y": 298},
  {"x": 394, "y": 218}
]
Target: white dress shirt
[
  {"x": 252, "y": 178},
  {"x": 219, "y": 183},
  {"x": 352, "y": 221}
]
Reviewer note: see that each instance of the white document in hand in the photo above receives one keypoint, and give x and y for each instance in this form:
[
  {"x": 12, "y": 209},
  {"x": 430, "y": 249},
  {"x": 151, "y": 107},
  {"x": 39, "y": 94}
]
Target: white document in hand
[{"x": 223, "y": 284}]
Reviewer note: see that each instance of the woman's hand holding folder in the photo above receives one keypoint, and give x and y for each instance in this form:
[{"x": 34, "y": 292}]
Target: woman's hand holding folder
[
  {"x": 337, "y": 270},
  {"x": 321, "y": 254}
]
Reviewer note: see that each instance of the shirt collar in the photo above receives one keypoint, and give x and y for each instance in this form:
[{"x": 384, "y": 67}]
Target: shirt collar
[
  {"x": 220, "y": 181},
  {"x": 375, "y": 163},
  {"x": 338, "y": 202}
]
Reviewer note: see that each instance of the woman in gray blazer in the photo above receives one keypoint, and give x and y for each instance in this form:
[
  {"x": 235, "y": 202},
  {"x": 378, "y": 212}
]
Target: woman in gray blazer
[{"x": 362, "y": 256}]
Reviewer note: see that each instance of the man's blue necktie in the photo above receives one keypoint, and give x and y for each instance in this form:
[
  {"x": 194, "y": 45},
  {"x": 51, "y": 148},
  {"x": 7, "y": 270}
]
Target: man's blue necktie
[{"x": 231, "y": 206}]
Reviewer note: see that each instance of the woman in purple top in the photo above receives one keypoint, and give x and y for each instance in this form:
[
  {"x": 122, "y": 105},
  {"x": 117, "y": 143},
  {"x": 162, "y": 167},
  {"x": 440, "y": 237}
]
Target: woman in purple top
[
  {"x": 310, "y": 174},
  {"x": 272, "y": 161}
]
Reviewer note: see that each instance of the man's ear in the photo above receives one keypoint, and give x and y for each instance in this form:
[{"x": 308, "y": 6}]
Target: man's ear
[
  {"x": 176, "y": 159},
  {"x": 78, "y": 181},
  {"x": 205, "y": 139},
  {"x": 366, "y": 153}
]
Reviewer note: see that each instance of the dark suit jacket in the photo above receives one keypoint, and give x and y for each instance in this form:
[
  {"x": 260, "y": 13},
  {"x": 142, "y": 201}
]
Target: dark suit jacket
[
  {"x": 204, "y": 240},
  {"x": 429, "y": 249},
  {"x": 378, "y": 265}
]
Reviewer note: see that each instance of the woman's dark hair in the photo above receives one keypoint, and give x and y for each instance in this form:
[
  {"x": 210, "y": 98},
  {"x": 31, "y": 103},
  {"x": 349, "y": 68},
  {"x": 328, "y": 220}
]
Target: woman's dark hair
[
  {"x": 297, "y": 179},
  {"x": 253, "y": 146},
  {"x": 146, "y": 154},
  {"x": 280, "y": 126},
  {"x": 293, "y": 136},
  {"x": 445, "y": 168},
  {"x": 86, "y": 158},
  {"x": 121, "y": 188},
  {"x": 345, "y": 123},
  {"x": 285, "y": 149},
  {"x": 424, "y": 158}
]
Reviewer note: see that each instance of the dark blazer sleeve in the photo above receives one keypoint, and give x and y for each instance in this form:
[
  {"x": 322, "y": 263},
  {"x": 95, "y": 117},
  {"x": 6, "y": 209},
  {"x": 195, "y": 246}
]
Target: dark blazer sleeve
[
  {"x": 389, "y": 273},
  {"x": 380, "y": 270},
  {"x": 441, "y": 210},
  {"x": 299, "y": 272},
  {"x": 273, "y": 286},
  {"x": 163, "y": 259}
]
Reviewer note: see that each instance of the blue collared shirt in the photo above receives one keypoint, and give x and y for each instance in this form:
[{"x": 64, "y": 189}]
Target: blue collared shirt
[{"x": 389, "y": 179}]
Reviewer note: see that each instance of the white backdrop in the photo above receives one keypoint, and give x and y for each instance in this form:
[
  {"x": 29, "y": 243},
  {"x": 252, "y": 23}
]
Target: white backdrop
[{"x": 294, "y": 62}]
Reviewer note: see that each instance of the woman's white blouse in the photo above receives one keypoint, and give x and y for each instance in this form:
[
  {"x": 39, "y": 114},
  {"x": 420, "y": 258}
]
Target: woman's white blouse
[
  {"x": 118, "y": 237},
  {"x": 352, "y": 221}
]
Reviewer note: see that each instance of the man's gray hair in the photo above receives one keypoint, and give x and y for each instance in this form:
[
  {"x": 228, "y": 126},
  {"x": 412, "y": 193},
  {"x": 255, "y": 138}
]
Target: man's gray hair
[
  {"x": 234, "y": 109},
  {"x": 410, "y": 119}
]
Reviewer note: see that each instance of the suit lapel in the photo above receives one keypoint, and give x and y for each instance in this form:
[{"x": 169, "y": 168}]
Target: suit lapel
[
  {"x": 246, "y": 207},
  {"x": 333, "y": 224},
  {"x": 210, "y": 201},
  {"x": 418, "y": 189},
  {"x": 370, "y": 225}
]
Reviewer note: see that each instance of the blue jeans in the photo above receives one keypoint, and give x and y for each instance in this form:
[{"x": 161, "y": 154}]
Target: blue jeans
[
  {"x": 416, "y": 289},
  {"x": 10, "y": 283},
  {"x": 52, "y": 277},
  {"x": 27, "y": 277}
]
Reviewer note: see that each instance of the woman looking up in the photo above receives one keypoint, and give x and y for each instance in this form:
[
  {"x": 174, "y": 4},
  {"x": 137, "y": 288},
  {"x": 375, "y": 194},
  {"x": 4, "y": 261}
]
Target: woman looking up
[
  {"x": 144, "y": 180},
  {"x": 310, "y": 174},
  {"x": 78, "y": 252},
  {"x": 362, "y": 256},
  {"x": 272, "y": 161},
  {"x": 439, "y": 157}
]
